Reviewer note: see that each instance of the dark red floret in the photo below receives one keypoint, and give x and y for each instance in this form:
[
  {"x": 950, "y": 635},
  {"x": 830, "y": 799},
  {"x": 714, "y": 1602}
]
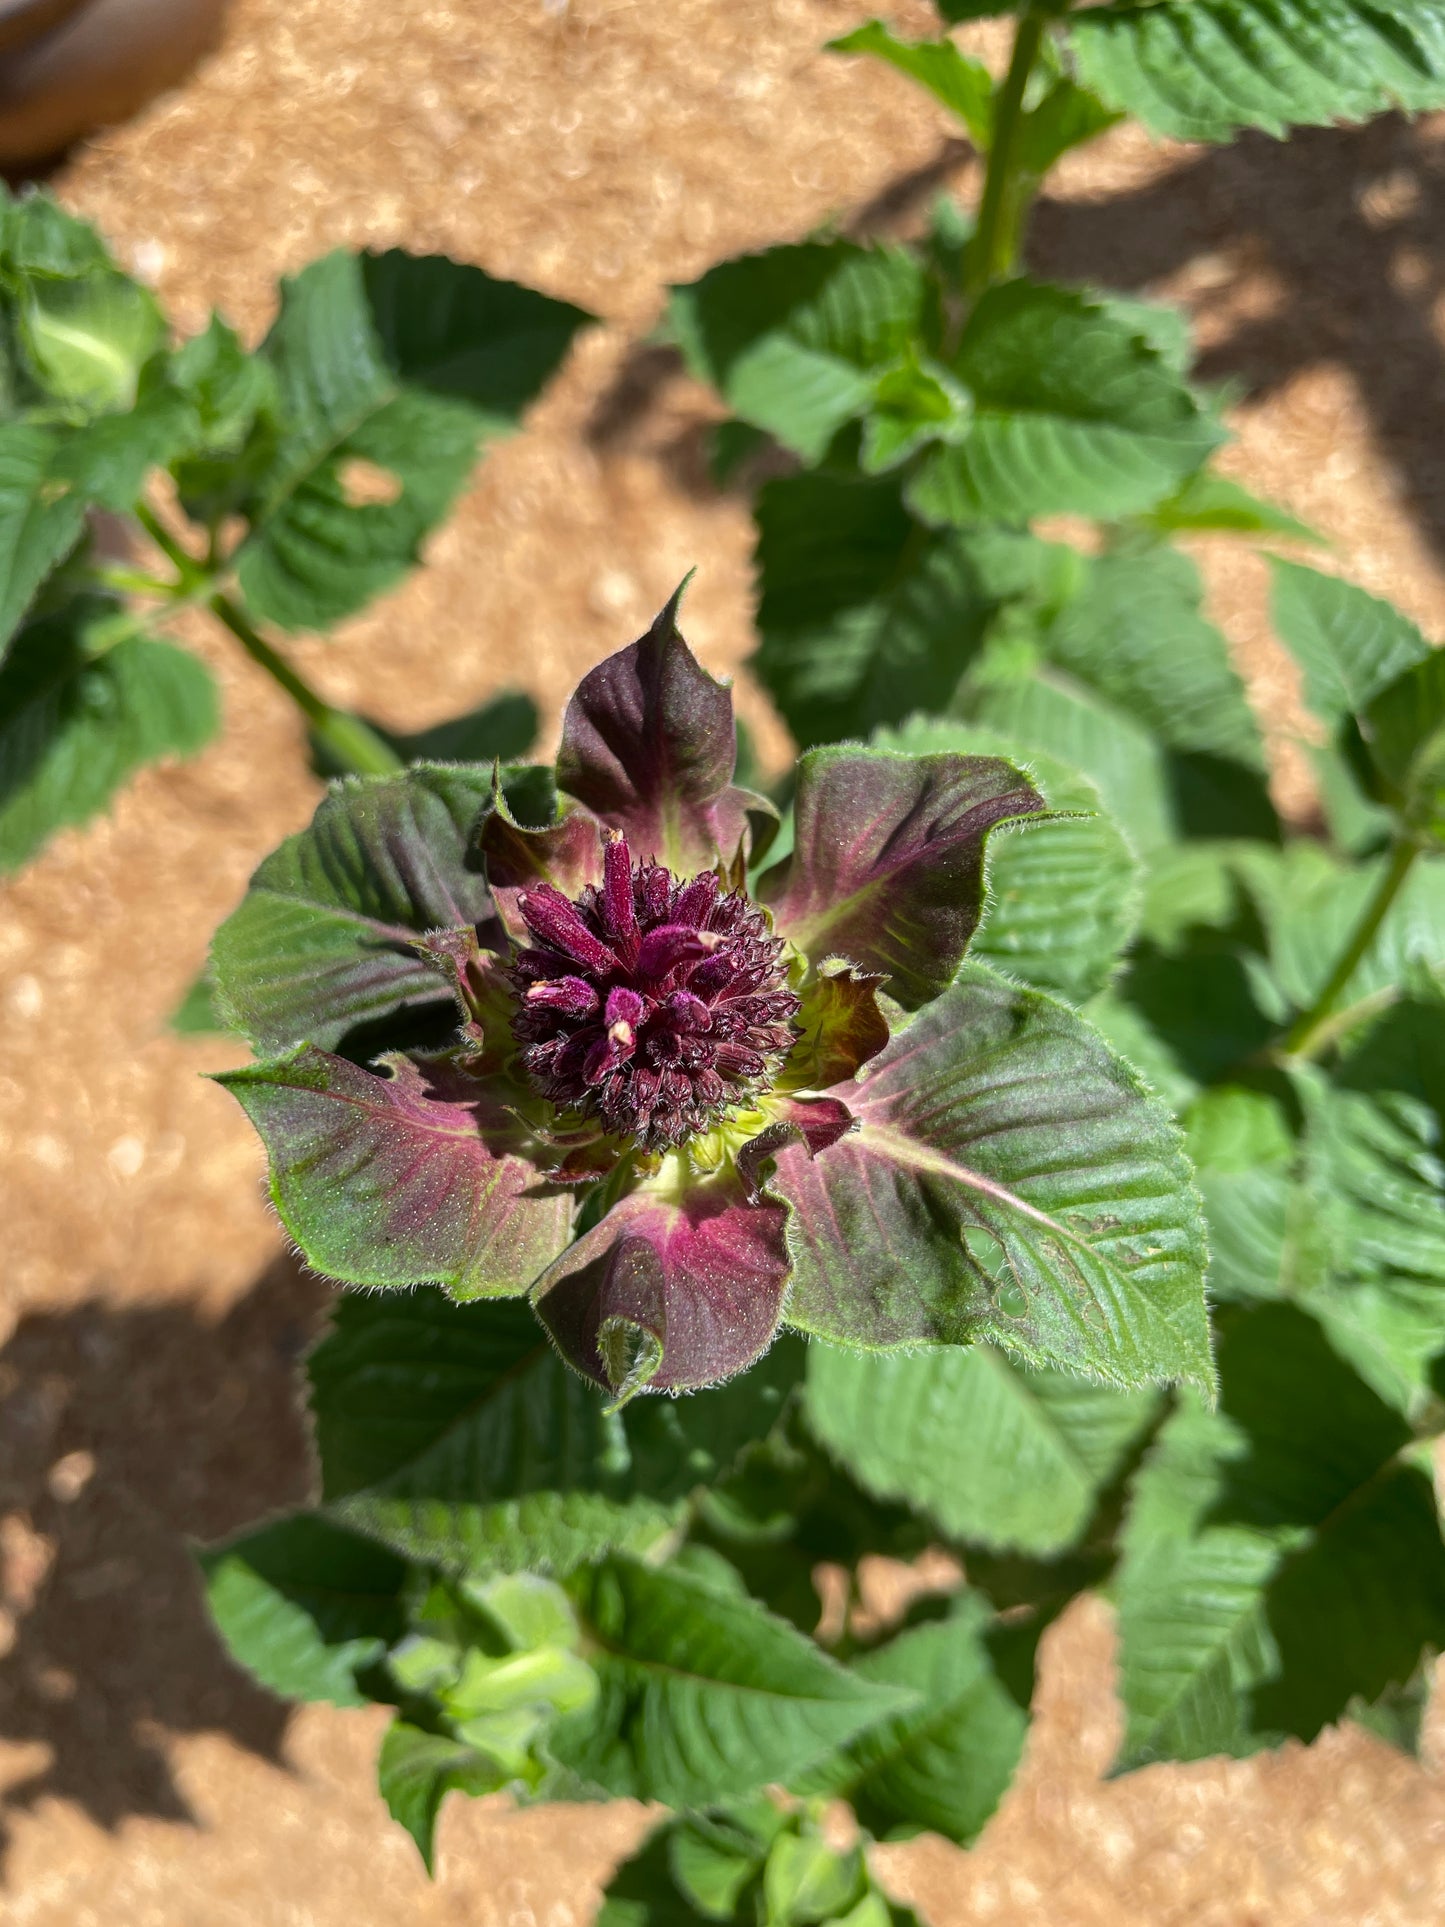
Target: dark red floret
[{"x": 655, "y": 1006}]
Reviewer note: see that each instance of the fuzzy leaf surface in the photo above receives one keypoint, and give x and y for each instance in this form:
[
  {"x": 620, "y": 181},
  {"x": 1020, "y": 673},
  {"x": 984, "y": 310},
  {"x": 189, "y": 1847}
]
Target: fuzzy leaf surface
[
  {"x": 323, "y": 939},
  {"x": 649, "y": 746},
  {"x": 1063, "y": 886},
  {"x": 393, "y": 371},
  {"x": 705, "y": 1696},
  {"x": 1199, "y": 70},
  {"x": 994, "y": 1453},
  {"x": 420, "y": 1174},
  {"x": 1012, "y": 1182}
]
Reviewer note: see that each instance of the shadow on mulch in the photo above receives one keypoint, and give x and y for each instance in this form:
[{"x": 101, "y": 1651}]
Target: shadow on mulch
[
  {"x": 1327, "y": 215},
  {"x": 125, "y": 1433}
]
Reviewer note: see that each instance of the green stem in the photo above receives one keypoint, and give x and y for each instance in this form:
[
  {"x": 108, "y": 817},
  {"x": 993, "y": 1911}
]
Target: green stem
[
  {"x": 187, "y": 567},
  {"x": 996, "y": 239},
  {"x": 353, "y": 742},
  {"x": 1313, "y": 1026}
]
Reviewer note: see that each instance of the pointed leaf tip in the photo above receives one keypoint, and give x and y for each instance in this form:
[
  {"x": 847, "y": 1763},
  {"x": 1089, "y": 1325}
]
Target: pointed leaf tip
[{"x": 649, "y": 746}]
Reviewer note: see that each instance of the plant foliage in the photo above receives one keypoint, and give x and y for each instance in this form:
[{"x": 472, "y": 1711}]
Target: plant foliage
[{"x": 748, "y": 1187}]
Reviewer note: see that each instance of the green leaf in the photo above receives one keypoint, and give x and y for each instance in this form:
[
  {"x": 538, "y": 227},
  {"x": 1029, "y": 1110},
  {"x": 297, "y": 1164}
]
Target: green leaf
[
  {"x": 945, "y": 1765},
  {"x": 1046, "y": 712},
  {"x": 955, "y": 12},
  {"x": 1208, "y": 502},
  {"x": 865, "y": 615},
  {"x": 323, "y": 940},
  {"x": 643, "y": 1893},
  {"x": 1135, "y": 634},
  {"x": 1350, "y": 645},
  {"x": 1075, "y": 411},
  {"x": 1405, "y": 729},
  {"x": 1245, "y": 1157},
  {"x": 108, "y": 459},
  {"x": 995, "y": 1454},
  {"x": 1310, "y": 905},
  {"x": 74, "y": 726},
  {"x": 964, "y": 85},
  {"x": 715, "y": 1856},
  {"x": 704, "y": 1696},
  {"x": 1010, "y": 1181},
  {"x": 456, "y": 1434},
  {"x": 394, "y": 370},
  {"x": 233, "y": 399},
  {"x": 41, "y": 518},
  {"x": 1068, "y": 116},
  {"x": 1063, "y": 890},
  {"x": 415, "y": 1771},
  {"x": 305, "y": 1606},
  {"x": 1282, "y": 1557},
  {"x": 792, "y": 337},
  {"x": 196, "y": 1014},
  {"x": 806, "y": 1880},
  {"x": 1199, "y": 70},
  {"x": 84, "y": 329},
  {"x": 1362, "y": 1241},
  {"x": 86, "y": 338}
]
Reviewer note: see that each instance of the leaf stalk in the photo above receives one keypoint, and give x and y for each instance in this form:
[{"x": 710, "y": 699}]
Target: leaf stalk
[
  {"x": 1313, "y": 1026},
  {"x": 353, "y": 742}
]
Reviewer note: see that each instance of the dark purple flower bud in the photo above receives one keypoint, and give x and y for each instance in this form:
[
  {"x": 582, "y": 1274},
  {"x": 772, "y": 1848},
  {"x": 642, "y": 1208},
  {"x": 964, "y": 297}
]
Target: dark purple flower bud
[
  {"x": 559, "y": 924},
  {"x": 571, "y": 994},
  {"x": 672, "y": 944},
  {"x": 618, "y": 911},
  {"x": 681, "y": 1012}
]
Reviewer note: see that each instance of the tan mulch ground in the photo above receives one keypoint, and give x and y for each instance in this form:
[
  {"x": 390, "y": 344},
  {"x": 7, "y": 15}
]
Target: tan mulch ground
[{"x": 598, "y": 150}]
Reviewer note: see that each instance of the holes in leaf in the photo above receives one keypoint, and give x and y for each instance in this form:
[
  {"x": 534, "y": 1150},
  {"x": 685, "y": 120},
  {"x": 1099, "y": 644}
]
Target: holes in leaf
[
  {"x": 367, "y": 484},
  {"x": 992, "y": 1263}
]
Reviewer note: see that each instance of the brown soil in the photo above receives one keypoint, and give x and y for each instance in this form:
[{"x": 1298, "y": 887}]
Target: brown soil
[{"x": 598, "y": 150}]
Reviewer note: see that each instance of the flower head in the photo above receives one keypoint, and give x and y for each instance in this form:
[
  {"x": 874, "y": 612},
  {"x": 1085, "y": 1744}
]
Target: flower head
[
  {"x": 675, "y": 1112},
  {"x": 655, "y": 1006}
]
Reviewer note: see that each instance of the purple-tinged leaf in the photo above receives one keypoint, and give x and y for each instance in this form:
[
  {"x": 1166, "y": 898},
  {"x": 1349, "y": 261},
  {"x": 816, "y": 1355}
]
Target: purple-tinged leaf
[
  {"x": 816, "y": 1123},
  {"x": 887, "y": 862},
  {"x": 649, "y": 746},
  {"x": 566, "y": 853},
  {"x": 1010, "y": 1181},
  {"x": 841, "y": 1027},
  {"x": 670, "y": 1293},
  {"x": 484, "y": 996},
  {"x": 325, "y": 938},
  {"x": 424, "y": 1175}
]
